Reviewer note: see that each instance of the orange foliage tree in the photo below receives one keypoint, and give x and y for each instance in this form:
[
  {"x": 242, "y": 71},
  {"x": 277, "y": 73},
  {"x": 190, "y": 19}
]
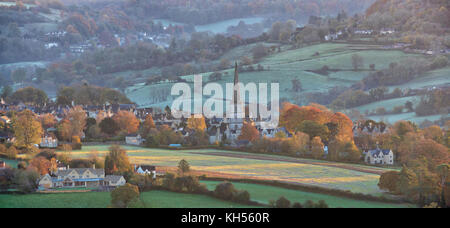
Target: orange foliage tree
[
  {"x": 47, "y": 120},
  {"x": 249, "y": 132},
  {"x": 148, "y": 125},
  {"x": 196, "y": 123},
  {"x": 41, "y": 164},
  {"x": 127, "y": 121}
]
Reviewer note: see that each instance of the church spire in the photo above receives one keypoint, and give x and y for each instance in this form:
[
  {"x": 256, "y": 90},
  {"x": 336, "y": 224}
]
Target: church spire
[
  {"x": 236, "y": 81},
  {"x": 236, "y": 74}
]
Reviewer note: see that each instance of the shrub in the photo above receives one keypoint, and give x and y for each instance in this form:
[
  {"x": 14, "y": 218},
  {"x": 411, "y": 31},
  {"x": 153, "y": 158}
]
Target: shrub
[
  {"x": 124, "y": 196},
  {"x": 389, "y": 181},
  {"x": 439, "y": 62},
  {"x": 282, "y": 203},
  {"x": 225, "y": 191},
  {"x": 242, "y": 197}
]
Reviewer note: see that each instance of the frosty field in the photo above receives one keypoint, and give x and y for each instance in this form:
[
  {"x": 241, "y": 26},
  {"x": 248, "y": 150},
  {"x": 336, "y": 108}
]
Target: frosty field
[{"x": 265, "y": 167}]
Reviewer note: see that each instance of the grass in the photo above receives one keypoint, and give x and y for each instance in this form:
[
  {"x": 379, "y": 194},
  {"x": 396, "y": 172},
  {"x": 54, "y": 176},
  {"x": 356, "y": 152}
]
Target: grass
[
  {"x": 204, "y": 160},
  {"x": 264, "y": 194},
  {"x": 218, "y": 27},
  {"x": 154, "y": 199}
]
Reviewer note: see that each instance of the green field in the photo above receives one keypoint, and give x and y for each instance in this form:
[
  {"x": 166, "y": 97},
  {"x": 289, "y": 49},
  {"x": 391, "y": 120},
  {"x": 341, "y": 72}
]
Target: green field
[
  {"x": 264, "y": 194},
  {"x": 155, "y": 199},
  {"x": 321, "y": 174},
  {"x": 298, "y": 64},
  {"x": 218, "y": 27}
]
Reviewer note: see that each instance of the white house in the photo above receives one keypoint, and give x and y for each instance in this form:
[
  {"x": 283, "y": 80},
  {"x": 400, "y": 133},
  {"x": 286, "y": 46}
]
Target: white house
[
  {"x": 379, "y": 157},
  {"x": 48, "y": 142},
  {"x": 145, "y": 170},
  {"x": 134, "y": 139}
]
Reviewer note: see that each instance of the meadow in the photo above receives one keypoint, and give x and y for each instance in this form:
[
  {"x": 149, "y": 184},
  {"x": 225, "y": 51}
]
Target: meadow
[
  {"x": 301, "y": 64},
  {"x": 152, "y": 199},
  {"x": 264, "y": 194},
  {"x": 299, "y": 171},
  {"x": 218, "y": 27}
]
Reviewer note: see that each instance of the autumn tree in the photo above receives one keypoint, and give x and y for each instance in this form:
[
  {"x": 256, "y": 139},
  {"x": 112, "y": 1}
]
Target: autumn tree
[
  {"x": 77, "y": 118},
  {"x": 47, "y": 120},
  {"x": 29, "y": 95},
  {"x": 196, "y": 123},
  {"x": 41, "y": 164},
  {"x": 117, "y": 160},
  {"x": 302, "y": 141},
  {"x": 64, "y": 130},
  {"x": 165, "y": 136},
  {"x": 27, "y": 130},
  {"x": 183, "y": 166},
  {"x": 434, "y": 133},
  {"x": 314, "y": 129},
  {"x": 249, "y": 132},
  {"x": 317, "y": 148},
  {"x": 147, "y": 125},
  {"x": 127, "y": 121},
  {"x": 292, "y": 116},
  {"x": 389, "y": 181},
  {"x": 434, "y": 152}
]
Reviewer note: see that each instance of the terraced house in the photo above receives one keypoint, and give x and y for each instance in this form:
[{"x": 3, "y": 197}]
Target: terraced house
[{"x": 80, "y": 178}]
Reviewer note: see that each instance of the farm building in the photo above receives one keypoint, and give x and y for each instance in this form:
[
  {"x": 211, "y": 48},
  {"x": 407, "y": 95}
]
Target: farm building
[
  {"x": 134, "y": 139},
  {"x": 379, "y": 157},
  {"x": 80, "y": 178}
]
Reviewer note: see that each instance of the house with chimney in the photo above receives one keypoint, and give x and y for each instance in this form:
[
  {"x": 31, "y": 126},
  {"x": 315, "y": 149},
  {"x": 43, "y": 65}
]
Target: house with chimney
[
  {"x": 80, "y": 178},
  {"x": 379, "y": 157}
]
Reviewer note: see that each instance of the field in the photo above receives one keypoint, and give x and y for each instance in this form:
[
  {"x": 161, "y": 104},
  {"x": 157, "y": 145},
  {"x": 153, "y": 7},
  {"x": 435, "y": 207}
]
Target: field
[
  {"x": 218, "y": 27},
  {"x": 300, "y": 64},
  {"x": 264, "y": 194},
  {"x": 355, "y": 178},
  {"x": 155, "y": 199}
]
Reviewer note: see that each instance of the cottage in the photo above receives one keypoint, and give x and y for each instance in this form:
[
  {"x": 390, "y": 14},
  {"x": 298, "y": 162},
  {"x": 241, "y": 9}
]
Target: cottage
[
  {"x": 114, "y": 181},
  {"x": 134, "y": 139},
  {"x": 379, "y": 157},
  {"x": 79, "y": 177}
]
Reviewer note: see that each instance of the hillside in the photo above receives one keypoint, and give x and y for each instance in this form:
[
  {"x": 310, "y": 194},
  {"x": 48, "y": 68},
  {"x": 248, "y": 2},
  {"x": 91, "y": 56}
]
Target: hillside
[{"x": 302, "y": 65}]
